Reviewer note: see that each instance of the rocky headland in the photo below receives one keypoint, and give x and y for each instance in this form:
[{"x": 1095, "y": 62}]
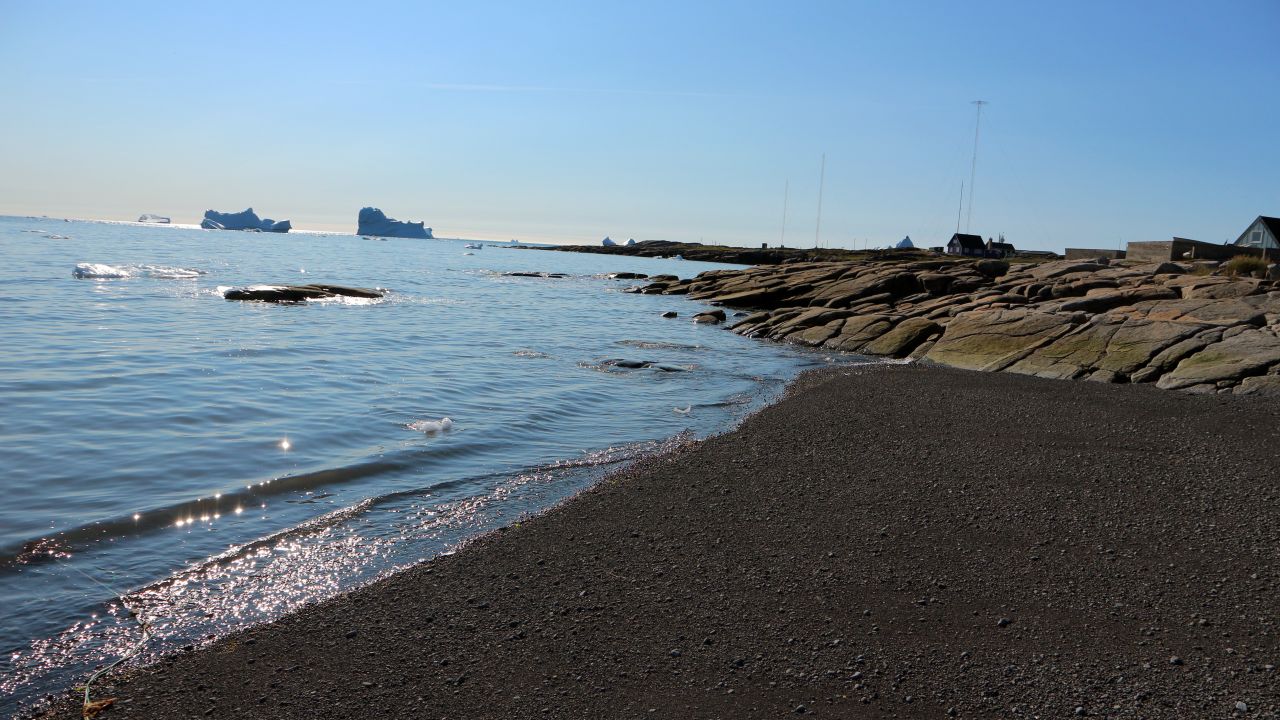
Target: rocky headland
[
  {"x": 737, "y": 255},
  {"x": 1200, "y": 327}
]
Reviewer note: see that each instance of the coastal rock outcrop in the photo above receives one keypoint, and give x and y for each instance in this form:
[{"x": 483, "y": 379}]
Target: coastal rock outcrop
[
  {"x": 1180, "y": 326},
  {"x": 244, "y": 220},
  {"x": 298, "y": 293},
  {"x": 372, "y": 221}
]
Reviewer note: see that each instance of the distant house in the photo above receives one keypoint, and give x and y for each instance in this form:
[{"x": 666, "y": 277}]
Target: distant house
[
  {"x": 1263, "y": 234},
  {"x": 968, "y": 245},
  {"x": 1000, "y": 248}
]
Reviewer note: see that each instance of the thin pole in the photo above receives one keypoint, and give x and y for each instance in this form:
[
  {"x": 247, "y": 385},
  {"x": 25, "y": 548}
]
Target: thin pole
[
  {"x": 960, "y": 209},
  {"x": 786, "y": 190},
  {"x": 822, "y": 177},
  {"x": 973, "y": 168}
]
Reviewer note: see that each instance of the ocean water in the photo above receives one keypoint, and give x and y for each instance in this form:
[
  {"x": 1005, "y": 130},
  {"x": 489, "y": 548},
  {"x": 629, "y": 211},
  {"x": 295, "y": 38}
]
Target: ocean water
[{"x": 196, "y": 465}]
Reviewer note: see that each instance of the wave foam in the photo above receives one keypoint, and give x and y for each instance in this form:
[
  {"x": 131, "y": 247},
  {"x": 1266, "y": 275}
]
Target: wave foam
[{"x": 103, "y": 271}]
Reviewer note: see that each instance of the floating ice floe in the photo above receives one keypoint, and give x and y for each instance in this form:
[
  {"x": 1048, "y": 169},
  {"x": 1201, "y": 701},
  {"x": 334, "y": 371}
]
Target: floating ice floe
[
  {"x": 372, "y": 221},
  {"x": 432, "y": 427}
]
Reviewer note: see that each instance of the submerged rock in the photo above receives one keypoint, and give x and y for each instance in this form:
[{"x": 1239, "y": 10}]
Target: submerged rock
[
  {"x": 523, "y": 273},
  {"x": 297, "y": 293},
  {"x": 373, "y": 221},
  {"x": 642, "y": 365},
  {"x": 246, "y": 220}
]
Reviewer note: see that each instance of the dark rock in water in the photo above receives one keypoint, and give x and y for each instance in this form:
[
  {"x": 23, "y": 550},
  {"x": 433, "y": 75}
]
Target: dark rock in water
[
  {"x": 670, "y": 314},
  {"x": 535, "y": 274},
  {"x": 627, "y": 276},
  {"x": 642, "y": 365},
  {"x": 373, "y": 221},
  {"x": 247, "y": 220},
  {"x": 711, "y": 317},
  {"x": 297, "y": 293},
  {"x": 663, "y": 278}
]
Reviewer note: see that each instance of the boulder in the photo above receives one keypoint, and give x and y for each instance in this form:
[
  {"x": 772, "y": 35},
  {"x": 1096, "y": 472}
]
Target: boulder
[
  {"x": 1046, "y": 271},
  {"x": 903, "y": 338},
  {"x": 991, "y": 268},
  {"x": 1213, "y": 312},
  {"x": 995, "y": 339},
  {"x": 1245, "y": 353},
  {"x": 1114, "y": 344},
  {"x": 626, "y": 276},
  {"x": 1226, "y": 289},
  {"x": 1259, "y": 385},
  {"x": 859, "y": 330},
  {"x": 670, "y": 314},
  {"x": 1096, "y": 302},
  {"x": 711, "y": 317}
]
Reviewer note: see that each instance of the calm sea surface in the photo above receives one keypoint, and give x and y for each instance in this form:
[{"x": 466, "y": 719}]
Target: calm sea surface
[{"x": 219, "y": 463}]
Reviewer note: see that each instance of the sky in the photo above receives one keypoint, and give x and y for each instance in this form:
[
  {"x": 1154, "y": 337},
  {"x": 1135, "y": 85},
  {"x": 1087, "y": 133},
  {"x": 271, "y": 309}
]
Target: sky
[{"x": 692, "y": 121}]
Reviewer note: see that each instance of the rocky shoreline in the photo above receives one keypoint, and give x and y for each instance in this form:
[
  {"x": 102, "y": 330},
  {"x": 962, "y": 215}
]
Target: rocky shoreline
[
  {"x": 733, "y": 255},
  {"x": 886, "y": 541},
  {"x": 1186, "y": 326}
]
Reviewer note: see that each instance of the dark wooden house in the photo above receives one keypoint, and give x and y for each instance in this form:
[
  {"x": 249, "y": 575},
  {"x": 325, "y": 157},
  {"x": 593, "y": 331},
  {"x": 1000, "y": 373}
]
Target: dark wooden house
[
  {"x": 968, "y": 245},
  {"x": 1000, "y": 248}
]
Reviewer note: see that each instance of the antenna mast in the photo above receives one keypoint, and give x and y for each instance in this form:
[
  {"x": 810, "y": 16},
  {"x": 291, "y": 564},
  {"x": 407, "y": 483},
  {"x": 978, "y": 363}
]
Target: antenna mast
[
  {"x": 960, "y": 209},
  {"x": 973, "y": 168},
  {"x": 786, "y": 190},
  {"x": 822, "y": 176}
]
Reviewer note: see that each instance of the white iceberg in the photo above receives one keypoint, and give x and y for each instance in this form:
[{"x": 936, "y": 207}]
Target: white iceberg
[
  {"x": 373, "y": 221},
  {"x": 247, "y": 220},
  {"x": 149, "y": 218}
]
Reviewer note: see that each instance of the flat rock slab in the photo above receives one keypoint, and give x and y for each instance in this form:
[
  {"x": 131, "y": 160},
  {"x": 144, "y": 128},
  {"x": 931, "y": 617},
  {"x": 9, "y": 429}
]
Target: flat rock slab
[{"x": 297, "y": 293}]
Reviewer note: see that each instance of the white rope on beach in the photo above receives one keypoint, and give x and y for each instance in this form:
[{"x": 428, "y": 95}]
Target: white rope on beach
[{"x": 90, "y": 708}]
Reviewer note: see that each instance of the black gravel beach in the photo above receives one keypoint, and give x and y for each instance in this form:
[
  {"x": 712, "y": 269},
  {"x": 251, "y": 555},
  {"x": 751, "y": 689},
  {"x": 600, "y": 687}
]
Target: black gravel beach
[{"x": 885, "y": 541}]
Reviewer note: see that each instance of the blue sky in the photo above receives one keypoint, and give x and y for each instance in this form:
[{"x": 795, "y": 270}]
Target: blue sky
[{"x": 567, "y": 121}]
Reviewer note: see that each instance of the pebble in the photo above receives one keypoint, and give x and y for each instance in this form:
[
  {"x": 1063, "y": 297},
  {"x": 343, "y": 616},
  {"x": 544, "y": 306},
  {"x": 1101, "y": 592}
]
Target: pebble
[
  {"x": 1242, "y": 706},
  {"x": 1003, "y": 622},
  {"x": 1175, "y": 660}
]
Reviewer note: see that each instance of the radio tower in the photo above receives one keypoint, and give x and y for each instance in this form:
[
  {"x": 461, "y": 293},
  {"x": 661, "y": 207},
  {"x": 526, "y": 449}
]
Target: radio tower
[
  {"x": 822, "y": 177},
  {"x": 973, "y": 168}
]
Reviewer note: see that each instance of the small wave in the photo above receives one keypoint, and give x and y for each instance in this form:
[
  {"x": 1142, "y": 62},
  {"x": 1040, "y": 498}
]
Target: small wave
[
  {"x": 103, "y": 271},
  {"x": 659, "y": 345},
  {"x": 526, "y": 353}
]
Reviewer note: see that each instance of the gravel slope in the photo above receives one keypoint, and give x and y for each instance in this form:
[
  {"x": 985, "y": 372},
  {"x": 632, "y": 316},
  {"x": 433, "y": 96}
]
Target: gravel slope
[{"x": 884, "y": 542}]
